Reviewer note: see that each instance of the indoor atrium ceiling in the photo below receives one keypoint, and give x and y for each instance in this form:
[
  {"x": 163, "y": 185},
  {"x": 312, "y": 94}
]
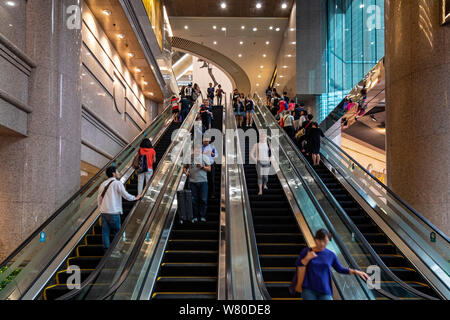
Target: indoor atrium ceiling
[
  {"x": 234, "y": 8},
  {"x": 254, "y": 51}
]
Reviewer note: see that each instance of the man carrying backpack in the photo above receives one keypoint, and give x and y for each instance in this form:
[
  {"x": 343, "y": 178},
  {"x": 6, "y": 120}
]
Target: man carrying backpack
[{"x": 109, "y": 200}]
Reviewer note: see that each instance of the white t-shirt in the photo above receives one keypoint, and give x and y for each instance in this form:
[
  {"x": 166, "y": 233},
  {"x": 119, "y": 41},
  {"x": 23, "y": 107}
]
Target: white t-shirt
[{"x": 112, "y": 203}]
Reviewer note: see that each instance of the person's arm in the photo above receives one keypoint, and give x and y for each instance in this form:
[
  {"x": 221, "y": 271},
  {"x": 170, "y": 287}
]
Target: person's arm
[
  {"x": 308, "y": 257},
  {"x": 338, "y": 267},
  {"x": 253, "y": 153},
  {"x": 206, "y": 168},
  {"x": 321, "y": 133},
  {"x": 125, "y": 194},
  {"x": 185, "y": 170}
]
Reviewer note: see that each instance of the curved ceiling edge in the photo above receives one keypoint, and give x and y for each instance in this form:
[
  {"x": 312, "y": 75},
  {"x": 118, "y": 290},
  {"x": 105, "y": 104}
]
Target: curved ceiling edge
[{"x": 231, "y": 68}]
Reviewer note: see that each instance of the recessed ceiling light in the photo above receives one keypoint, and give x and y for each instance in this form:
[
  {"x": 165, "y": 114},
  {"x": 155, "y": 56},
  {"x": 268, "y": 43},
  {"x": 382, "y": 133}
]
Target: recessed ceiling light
[
  {"x": 264, "y": 55},
  {"x": 240, "y": 55},
  {"x": 292, "y": 29},
  {"x": 243, "y": 27},
  {"x": 284, "y": 5},
  {"x": 214, "y": 27},
  {"x": 285, "y": 67},
  {"x": 131, "y": 54},
  {"x": 241, "y": 42},
  {"x": 262, "y": 67},
  {"x": 255, "y": 29},
  {"x": 107, "y": 12},
  {"x": 223, "y": 5},
  {"x": 121, "y": 36},
  {"x": 277, "y": 29},
  {"x": 138, "y": 70},
  {"x": 11, "y": 3},
  {"x": 271, "y": 28},
  {"x": 215, "y": 42},
  {"x": 259, "y": 76},
  {"x": 186, "y": 27},
  {"x": 151, "y": 93},
  {"x": 257, "y": 84},
  {"x": 289, "y": 55},
  {"x": 145, "y": 83},
  {"x": 267, "y": 42},
  {"x": 293, "y": 42},
  {"x": 258, "y": 5},
  {"x": 281, "y": 76},
  {"x": 224, "y": 29}
]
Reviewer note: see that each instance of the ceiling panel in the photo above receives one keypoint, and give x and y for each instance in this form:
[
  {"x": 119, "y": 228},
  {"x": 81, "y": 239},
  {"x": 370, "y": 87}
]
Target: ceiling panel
[
  {"x": 235, "y": 8},
  {"x": 254, "y": 50}
]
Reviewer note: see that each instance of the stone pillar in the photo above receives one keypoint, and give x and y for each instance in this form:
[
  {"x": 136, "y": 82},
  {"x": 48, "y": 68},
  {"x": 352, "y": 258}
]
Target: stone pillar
[
  {"x": 417, "y": 99},
  {"x": 45, "y": 165}
]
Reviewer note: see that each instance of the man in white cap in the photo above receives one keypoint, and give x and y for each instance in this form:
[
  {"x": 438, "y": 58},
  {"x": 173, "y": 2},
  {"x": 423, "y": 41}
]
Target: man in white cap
[{"x": 210, "y": 152}]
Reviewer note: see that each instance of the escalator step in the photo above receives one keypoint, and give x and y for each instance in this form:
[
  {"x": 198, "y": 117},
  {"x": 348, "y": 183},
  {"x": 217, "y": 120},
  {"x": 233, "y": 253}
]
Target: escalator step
[
  {"x": 277, "y": 260},
  {"x": 186, "y": 284},
  {"x": 193, "y": 244},
  {"x": 190, "y": 256},
  {"x": 280, "y": 248},
  {"x": 184, "y": 295}
]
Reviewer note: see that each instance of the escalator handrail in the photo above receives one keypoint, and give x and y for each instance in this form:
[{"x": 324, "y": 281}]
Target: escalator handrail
[
  {"x": 78, "y": 193},
  {"x": 348, "y": 221},
  {"x": 102, "y": 263},
  {"x": 251, "y": 230},
  {"x": 142, "y": 236},
  {"x": 392, "y": 193}
]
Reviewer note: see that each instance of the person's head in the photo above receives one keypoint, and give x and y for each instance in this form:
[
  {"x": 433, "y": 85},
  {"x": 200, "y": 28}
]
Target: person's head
[
  {"x": 146, "y": 143},
  {"x": 210, "y": 84},
  {"x": 302, "y": 105},
  {"x": 292, "y": 101},
  {"x": 206, "y": 141},
  {"x": 112, "y": 172},
  {"x": 322, "y": 238},
  {"x": 235, "y": 90},
  {"x": 242, "y": 96},
  {"x": 303, "y": 113},
  {"x": 310, "y": 117},
  {"x": 263, "y": 137},
  {"x": 285, "y": 93},
  {"x": 315, "y": 125},
  {"x": 190, "y": 85},
  {"x": 173, "y": 97},
  {"x": 206, "y": 102},
  {"x": 220, "y": 86}
]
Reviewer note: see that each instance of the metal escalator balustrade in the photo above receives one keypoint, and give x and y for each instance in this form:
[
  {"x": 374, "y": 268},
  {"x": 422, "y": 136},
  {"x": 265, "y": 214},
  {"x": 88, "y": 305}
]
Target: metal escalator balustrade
[
  {"x": 90, "y": 251},
  {"x": 117, "y": 263},
  {"x": 189, "y": 269},
  {"x": 45, "y": 249},
  {"x": 405, "y": 227},
  {"x": 390, "y": 282}
]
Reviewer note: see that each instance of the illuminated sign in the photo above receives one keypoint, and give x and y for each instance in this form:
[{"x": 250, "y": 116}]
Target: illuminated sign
[{"x": 445, "y": 11}]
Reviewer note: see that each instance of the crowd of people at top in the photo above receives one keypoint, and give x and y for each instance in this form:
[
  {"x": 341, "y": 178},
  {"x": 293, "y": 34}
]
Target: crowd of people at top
[{"x": 297, "y": 122}]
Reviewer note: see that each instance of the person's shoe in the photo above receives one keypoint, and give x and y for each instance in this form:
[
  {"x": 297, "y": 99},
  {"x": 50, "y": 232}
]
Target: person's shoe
[
  {"x": 203, "y": 220},
  {"x": 260, "y": 194},
  {"x": 266, "y": 188},
  {"x": 195, "y": 220}
]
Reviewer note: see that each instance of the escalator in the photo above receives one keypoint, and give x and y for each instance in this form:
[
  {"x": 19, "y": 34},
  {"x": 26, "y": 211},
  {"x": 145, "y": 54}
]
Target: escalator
[
  {"x": 89, "y": 251},
  {"x": 189, "y": 268},
  {"x": 386, "y": 250},
  {"x": 278, "y": 236}
]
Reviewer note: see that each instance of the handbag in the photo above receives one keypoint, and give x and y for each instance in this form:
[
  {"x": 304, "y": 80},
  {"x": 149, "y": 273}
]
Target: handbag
[
  {"x": 297, "y": 281},
  {"x": 136, "y": 162}
]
